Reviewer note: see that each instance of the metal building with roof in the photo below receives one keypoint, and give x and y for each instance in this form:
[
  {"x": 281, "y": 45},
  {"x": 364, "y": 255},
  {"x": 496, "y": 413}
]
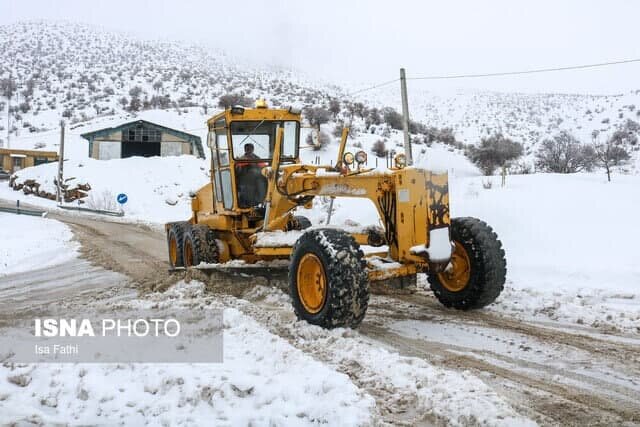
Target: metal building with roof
[{"x": 141, "y": 138}]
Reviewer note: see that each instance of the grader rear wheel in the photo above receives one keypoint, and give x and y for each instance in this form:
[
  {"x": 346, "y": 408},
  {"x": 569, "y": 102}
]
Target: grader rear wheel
[
  {"x": 476, "y": 274},
  {"x": 328, "y": 283},
  {"x": 175, "y": 240},
  {"x": 199, "y": 245}
]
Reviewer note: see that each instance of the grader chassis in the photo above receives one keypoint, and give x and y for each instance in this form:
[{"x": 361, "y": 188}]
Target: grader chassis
[{"x": 246, "y": 213}]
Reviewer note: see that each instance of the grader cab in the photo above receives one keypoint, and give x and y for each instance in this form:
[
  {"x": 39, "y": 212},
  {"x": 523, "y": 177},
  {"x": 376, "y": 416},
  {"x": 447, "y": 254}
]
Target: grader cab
[{"x": 247, "y": 213}]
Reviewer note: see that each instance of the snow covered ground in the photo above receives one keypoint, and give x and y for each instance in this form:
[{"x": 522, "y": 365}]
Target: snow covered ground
[
  {"x": 263, "y": 381},
  {"x": 157, "y": 188},
  {"x": 29, "y": 242}
]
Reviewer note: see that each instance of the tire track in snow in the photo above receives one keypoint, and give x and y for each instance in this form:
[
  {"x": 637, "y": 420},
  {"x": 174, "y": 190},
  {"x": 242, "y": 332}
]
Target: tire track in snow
[
  {"x": 594, "y": 396},
  {"x": 407, "y": 390}
]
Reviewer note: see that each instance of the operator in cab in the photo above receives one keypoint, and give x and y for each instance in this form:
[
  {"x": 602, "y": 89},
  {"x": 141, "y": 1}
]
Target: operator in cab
[{"x": 251, "y": 183}]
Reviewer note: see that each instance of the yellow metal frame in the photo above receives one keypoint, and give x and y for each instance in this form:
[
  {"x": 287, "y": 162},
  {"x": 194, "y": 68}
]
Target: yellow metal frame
[{"x": 410, "y": 201}]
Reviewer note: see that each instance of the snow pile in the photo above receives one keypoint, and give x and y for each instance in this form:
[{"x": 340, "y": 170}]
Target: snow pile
[
  {"x": 263, "y": 381},
  {"x": 152, "y": 185},
  {"x": 30, "y": 243},
  {"x": 603, "y": 309}
]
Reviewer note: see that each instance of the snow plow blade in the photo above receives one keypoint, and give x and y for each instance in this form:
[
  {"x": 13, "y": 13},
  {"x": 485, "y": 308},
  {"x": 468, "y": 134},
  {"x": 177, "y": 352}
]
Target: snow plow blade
[{"x": 212, "y": 273}]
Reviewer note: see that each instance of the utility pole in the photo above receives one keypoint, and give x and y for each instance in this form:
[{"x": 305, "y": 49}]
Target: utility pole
[
  {"x": 60, "y": 164},
  {"x": 405, "y": 117}
]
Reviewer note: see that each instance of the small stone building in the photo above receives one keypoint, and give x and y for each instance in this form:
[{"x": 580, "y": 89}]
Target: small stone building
[
  {"x": 12, "y": 160},
  {"x": 141, "y": 138}
]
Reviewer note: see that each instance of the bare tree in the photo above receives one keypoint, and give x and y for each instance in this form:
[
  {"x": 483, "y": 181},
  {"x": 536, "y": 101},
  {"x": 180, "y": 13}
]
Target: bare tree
[
  {"x": 493, "y": 152},
  {"x": 392, "y": 118},
  {"x": 564, "y": 154},
  {"x": 379, "y": 148},
  {"x": 231, "y": 99},
  {"x": 317, "y": 116},
  {"x": 322, "y": 139},
  {"x": 7, "y": 87},
  {"x": 611, "y": 153},
  {"x": 334, "y": 107}
]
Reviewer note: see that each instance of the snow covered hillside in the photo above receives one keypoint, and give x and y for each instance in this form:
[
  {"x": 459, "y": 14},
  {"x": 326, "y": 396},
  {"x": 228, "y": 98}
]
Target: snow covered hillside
[
  {"x": 524, "y": 117},
  {"x": 79, "y": 73},
  {"x": 91, "y": 77}
]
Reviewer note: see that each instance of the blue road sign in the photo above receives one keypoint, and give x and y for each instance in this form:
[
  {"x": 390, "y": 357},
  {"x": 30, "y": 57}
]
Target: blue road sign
[{"x": 122, "y": 198}]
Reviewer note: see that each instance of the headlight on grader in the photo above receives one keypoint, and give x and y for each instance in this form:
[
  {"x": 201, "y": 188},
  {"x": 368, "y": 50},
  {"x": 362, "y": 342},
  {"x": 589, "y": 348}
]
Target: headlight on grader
[
  {"x": 361, "y": 157},
  {"x": 347, "y": 158},
  {"x": 237, "y": 109},
  {"x": 400, "y": 160}
]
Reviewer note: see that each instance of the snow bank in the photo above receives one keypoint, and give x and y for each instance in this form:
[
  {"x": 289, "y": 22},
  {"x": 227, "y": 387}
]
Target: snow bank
[
  {"x": 28, "y": 243},
  {"x": 151, "y": 184}
]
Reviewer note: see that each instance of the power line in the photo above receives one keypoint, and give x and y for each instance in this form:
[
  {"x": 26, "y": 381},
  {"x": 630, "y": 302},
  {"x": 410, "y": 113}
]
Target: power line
[
  {"x": 372, "y": 87},
  {"x": 498, "y": 74},
  {"x": 533, "y": 71}
]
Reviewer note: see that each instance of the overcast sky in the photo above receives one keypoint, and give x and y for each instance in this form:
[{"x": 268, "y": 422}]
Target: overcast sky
[{"x": 364, "y": 42}]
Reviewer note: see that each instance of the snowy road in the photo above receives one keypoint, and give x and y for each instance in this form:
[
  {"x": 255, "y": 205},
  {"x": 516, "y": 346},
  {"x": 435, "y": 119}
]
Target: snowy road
[{"x": 421, "y": 363}]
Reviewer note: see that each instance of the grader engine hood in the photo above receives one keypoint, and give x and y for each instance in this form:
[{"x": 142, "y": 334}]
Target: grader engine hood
[{"x": 422, "y": 218}]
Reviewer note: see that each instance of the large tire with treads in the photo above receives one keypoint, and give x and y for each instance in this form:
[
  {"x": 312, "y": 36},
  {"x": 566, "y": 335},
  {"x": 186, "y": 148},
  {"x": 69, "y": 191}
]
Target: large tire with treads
[
  {"x": 328, "y": 281},
  {"x": 478, "y": 268},
  {"x": 200, "y": 245},
  {"x": 175, "y": 241}
]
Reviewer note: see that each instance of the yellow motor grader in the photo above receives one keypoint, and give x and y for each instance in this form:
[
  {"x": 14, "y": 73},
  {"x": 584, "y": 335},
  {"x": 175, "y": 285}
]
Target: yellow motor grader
[{"x": 257, "y": 183}]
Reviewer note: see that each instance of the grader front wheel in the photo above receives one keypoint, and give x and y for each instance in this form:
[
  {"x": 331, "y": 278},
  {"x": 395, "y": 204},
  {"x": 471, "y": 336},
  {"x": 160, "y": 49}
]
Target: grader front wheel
[
  {"x": 311, "y": 281},
  {"x": 476, "y": 274},
  {"x": 328, "y": 282}
]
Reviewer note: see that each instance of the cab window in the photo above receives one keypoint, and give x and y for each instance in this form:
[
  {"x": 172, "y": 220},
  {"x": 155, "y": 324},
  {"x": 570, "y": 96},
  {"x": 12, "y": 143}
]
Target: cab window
[{"x": 255, "y": 140}]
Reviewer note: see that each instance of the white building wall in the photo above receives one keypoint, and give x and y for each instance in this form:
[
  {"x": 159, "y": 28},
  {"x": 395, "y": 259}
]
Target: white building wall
[
  {"x": 110, "y": 150},
  {"x": 171, "y": 149}
]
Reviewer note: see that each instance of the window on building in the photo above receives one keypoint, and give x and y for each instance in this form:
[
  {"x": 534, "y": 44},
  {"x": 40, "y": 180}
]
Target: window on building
[
  {"x": 40, "y": 160},
  {"x": 17, "y": 163},
  {"x": 140, "y": 133}
]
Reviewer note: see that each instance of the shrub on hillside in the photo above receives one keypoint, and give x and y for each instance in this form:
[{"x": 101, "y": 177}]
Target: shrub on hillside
[
  {"x": 373, "y": 118},
  {"x": 231, "y": 99},
  {"x": 493, "y": 152},
  {"x": 613, "y": 152},
  {"x": 318, "y": 140},
  {"x": 334, "y": 107},
  {"x": 379, "y": 148},
  {"x": 317, "y": 115},
  {"x": 392, "y": 118},
  {"x": 564, "y": 154}
]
